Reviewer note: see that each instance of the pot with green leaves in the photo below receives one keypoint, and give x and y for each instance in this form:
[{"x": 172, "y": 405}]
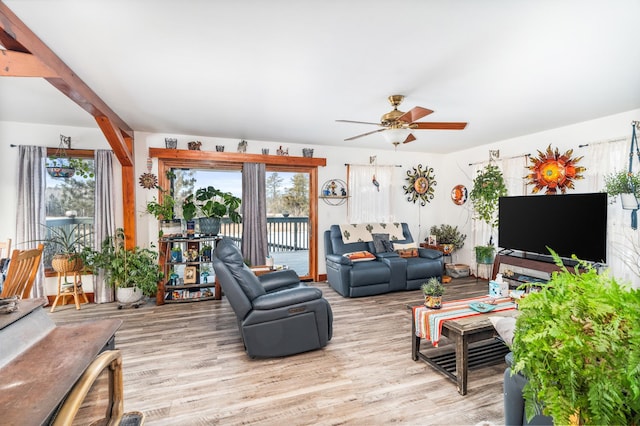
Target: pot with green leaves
[
  {"x": 485, "y": 254},
  {"x": 433, "y": 291},
  {"x": 626, "y": 185},
  {"x": 214, "y": 204},
  {"x": 488, "y": 187},
  {"x": 449, "y": 237},
  {"x": 577, "y": 342},
  {"x": 125, "y": 268},
  {"x": 189, "y": 209},
  {"x": 66, "y": 244}
]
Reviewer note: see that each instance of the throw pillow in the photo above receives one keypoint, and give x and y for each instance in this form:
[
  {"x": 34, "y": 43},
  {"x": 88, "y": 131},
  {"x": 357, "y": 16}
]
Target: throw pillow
[
  {"x": 404, "y": 246},
  {"x": 505, "y": 327},
  {"x": 359, "y": 256},
  {"x": 381, "y": 243}
]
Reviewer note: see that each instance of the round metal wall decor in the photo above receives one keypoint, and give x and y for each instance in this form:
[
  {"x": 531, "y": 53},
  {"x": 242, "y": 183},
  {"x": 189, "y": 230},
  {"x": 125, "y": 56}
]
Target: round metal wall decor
[
  {"x": 421, "y": 185},
  {"x": 554, "y": 171}
]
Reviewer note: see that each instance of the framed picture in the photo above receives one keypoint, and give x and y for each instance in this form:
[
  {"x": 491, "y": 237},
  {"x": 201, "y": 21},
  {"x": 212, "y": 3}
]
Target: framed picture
[
  {"x": 190, "y": 275},
  {"x": 432, "y": 240}
]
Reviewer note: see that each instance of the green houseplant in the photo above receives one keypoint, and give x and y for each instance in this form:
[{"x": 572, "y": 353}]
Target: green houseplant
[
  {"x": 625, "y": 184},
  {"x": 213, "y": 204},
  {"x": 448, "y": 235},
  {"x": 66, "y": 244},
  {"x": 488, "y": 187},
  {"x": 433, "y": 291},
  {"x": 125, "y": 268},
  {"x": 485, "y": 254},
  {"x": 577, "y": 341}
]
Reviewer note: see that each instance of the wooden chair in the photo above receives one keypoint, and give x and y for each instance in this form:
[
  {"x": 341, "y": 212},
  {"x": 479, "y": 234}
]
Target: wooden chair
[{"x": 23, "y": 268}]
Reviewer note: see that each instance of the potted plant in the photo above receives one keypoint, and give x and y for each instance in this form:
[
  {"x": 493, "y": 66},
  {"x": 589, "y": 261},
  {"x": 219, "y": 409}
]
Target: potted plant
[
  {"x": 133, "y": 272},
  {"x": 205, "y": 252},
  {"x": 189, "y": 209},
  {"x": 577, "y": 342},
  {"x": 625, "y": 184},
  {"x": 66, "y": 244},
  {"x": 449, "y": 237},
  {"x": 433, "y": 291},
  {"x": 485, "y": 254},
  {"x": 213, "y": 205},
  {"x": 488, "y": 187},
  {"x": 176, "y": 254},
  {"x": 163, "y": 210}
]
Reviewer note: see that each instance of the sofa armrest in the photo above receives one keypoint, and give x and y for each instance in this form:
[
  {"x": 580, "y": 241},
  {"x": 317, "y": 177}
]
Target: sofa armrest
[
  {"x": 429, "y": 253},
  {"x": 339, "y": 259},
  {"x": 278, "y": 279},
  {"x": 287, "y": 297}
]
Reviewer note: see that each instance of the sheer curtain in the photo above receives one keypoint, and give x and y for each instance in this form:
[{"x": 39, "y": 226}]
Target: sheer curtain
[
  {"x": 30, "y": 211},
  {"x": 513, "y": 171},
  {"x": 623, "y": 244},
  {"x": 254, "y": 213},
  {"x": 104, "y": 216},
  {"x": 370, "y": 202}
]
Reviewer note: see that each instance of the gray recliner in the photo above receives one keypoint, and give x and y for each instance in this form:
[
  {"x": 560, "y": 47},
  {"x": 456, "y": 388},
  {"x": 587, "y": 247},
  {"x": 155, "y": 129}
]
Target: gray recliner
[{"x": 277, "y": 314}]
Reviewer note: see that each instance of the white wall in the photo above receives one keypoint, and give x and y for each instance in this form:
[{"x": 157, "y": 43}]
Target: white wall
[{"x": 450, "y": 170}]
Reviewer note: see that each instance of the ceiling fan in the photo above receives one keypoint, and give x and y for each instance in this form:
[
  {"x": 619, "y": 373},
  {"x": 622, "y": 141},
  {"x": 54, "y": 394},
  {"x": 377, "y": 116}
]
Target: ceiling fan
[{"x": 398, "y": 125}]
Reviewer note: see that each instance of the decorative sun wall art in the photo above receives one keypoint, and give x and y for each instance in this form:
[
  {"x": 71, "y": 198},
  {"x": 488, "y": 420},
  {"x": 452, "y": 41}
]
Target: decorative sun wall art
[
  {"x": 554, "y": 171},
  {"x": 421, "y": 185}
]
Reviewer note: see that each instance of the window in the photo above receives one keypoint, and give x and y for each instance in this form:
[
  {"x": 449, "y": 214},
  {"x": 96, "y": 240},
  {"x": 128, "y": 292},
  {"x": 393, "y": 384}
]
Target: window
[{"x": 70, "y": 206}]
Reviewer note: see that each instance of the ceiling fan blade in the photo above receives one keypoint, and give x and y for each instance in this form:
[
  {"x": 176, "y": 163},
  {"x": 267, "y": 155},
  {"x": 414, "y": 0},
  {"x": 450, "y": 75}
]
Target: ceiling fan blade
[
  {"x": 409, "y": 138},
  {"x": 357, "y": 122},
  {"x": 365, "y": 134},
  {"x": 415, "y": 113},
  {"x": 438, "y": 126}
]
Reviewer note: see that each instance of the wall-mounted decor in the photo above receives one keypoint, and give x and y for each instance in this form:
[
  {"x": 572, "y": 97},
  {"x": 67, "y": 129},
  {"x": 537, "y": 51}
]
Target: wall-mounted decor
[
  {"x": 554, "y": 171},
  {"x": 421, "y": 185},
  {"x": 459, "y": 194},
  {"x": 334, "y": 192}
]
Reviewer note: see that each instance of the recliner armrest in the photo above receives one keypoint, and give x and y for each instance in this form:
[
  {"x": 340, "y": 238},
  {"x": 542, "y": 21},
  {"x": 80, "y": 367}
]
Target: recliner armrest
[
  {"x": 278, "y": 279},
  {"x": 286, "y": 297},
  {"x": 429, "y": 253},
  {"x": 340, "y": 259}
]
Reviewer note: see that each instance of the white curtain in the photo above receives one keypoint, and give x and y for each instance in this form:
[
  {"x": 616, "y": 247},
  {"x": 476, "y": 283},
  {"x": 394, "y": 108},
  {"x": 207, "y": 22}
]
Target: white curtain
[
  {"x": 104, "y": 216},
  {"x": 513, "y": 170},
  {"x": 623, "y": 243},
  {"x": 371, "y": 202},
  {"x": 30, "y": 211}
]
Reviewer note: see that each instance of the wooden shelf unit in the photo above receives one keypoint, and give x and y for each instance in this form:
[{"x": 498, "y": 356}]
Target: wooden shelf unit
[{"x": 181, "y": 293}]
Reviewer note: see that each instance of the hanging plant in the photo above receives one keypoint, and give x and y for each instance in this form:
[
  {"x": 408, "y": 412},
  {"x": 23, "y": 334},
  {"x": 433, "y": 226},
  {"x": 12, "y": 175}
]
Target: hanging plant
[
  {"x": 488, "y": 187},
  {"x": 60, "y": 165}
]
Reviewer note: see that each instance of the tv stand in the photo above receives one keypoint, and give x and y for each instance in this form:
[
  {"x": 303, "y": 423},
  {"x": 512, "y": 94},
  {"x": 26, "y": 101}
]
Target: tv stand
[{"x": 538, "y": 267}]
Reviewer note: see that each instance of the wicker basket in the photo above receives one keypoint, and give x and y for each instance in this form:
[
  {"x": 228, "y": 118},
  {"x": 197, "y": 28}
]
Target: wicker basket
[
  {"x": 66, "y": 263},
  {"x": 457, "y": 270}
]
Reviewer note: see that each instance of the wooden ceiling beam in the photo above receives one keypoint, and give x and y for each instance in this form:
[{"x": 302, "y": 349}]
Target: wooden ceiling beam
[{"x": 19, "y": 64}]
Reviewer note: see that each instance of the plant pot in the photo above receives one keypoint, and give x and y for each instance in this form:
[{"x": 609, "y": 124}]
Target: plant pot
[
  {"x": 209, "y": 225},
  {"x": 191, "y": 228},
  {"x": 61, "y": 172},
  {"x": 128, "y": 294},
  {"x": 433, "y": 302},
  {"x": 176, "y": 256},
  {"x": 171, "y": 227},
  {"x": 629, "y": 201},
  {"x": 66, "y": 263},
  {"x": 171, "y": 143}
]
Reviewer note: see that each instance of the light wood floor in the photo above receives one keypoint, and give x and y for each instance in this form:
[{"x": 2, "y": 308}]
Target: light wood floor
[{"x": 184, "y": 364}]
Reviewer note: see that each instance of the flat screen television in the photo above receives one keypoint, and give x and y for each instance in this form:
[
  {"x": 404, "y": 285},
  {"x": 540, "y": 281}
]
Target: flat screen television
[{"x": 568, "y": 224}]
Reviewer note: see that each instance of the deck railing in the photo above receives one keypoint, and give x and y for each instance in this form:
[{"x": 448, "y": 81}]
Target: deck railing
[{"x": 284, "y": 234}]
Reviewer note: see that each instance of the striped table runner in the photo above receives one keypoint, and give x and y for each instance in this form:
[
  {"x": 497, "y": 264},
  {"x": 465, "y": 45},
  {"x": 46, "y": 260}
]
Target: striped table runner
[{"x": 429, "y": 321}]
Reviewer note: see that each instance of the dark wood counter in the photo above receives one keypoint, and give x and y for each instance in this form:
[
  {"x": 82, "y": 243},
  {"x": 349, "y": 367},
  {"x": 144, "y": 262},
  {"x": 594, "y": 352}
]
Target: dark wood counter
[{"x": 35, "y": 380}]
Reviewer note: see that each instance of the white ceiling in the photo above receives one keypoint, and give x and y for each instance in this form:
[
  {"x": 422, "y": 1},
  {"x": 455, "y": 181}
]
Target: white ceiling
[{"x": 285, "y": 70}]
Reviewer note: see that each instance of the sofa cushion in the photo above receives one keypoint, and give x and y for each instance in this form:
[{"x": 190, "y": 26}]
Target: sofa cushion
[
  {"x": 359, "y": 256},
  {"x": 381, "y": 243},
  {"x": 505, "y": 326}
]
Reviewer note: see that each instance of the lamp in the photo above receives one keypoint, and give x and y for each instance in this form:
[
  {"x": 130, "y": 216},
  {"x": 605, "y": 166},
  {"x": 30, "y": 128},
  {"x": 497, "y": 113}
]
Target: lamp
[{"x": 396, "y": 135}]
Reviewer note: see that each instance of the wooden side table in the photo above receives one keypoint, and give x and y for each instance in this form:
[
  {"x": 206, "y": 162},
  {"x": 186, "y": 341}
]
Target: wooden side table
[{"x": 69, "y": 289}]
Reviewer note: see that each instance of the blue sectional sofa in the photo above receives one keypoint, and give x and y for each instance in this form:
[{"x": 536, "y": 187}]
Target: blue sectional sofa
[{"x": 387, "y": 271}]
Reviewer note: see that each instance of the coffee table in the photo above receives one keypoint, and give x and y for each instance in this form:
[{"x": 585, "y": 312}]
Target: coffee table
[{"x": 474, "y": 345}]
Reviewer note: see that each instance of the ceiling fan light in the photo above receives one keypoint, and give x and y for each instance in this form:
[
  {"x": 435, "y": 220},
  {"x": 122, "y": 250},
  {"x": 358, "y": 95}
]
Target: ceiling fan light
[{"x": 396, "y": 135}]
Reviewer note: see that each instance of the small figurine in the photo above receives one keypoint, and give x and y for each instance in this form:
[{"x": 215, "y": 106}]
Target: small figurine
[
  {"x": 376, "y": 183},
  {"x": 333, "y": 187},
  {"x": 194, "y": 145},
  {"x": 242, "y": 146},
  {"x": 281, "y": 151},
  {"x": 343, "y": 192}
]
